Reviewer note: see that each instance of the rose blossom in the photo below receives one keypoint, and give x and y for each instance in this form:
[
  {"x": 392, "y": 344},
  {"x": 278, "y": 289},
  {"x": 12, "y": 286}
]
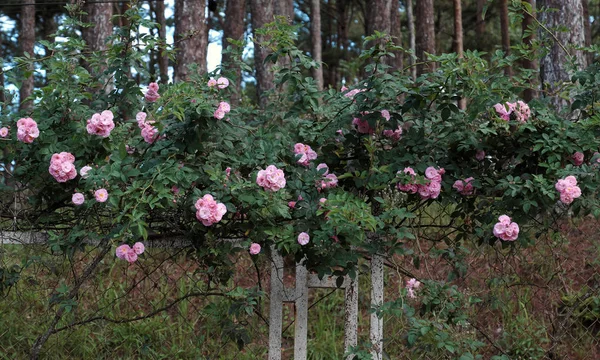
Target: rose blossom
[
  {"x": 303, "y": 238},
  {"x": 271, "y": 179},
  {"x": 62, "y": 168},
  {"x": 126, "y": 253},
  {"x": 4, "y": 132},
  {"x": 222, "y": 109},
  {"x": 209, "y": 211},
  {"x": 362, "y": 126},
  {"x": 505, "y": 229},
  {"x": 385, "y": 114},
  {"x": 222, "y": 82},
  {"x": 84, "y": 171},
  {"x": 212, "y": 82},
  {"x": 578, "y": 158},
  {"x": 254, "y": 249},
  {"x": 480, "y": 155},
  {"x": 568, "y": 189},
  {"x": 101, "y": 195},
  {"x": 101, "y": 124},
  {"x": 139, "y": 248},
  {"x": 307, "y": 153},
  {"x": 323, "y": 166},
  {"x": 78, "y": 198},
  {"x": 412, "y": 285},
  {"x": 152, "y": 93},
  {"x": 329, "y": 181},
  {"x": 465, "y": 187},
  {"x": 27, "y": 130}
]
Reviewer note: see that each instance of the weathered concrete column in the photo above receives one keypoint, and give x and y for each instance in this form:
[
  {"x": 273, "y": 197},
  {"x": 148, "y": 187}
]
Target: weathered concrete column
[
  {"x": 376, "y": 302},
  {"x": 275, "y": 305},
  {"x": 351, "y": 315},
  {"x": 301, "y": 318}
]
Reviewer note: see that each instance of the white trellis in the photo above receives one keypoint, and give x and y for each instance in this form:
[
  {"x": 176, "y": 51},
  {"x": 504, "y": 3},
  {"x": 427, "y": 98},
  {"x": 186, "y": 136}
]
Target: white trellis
[{"x": 299, "y": 296}]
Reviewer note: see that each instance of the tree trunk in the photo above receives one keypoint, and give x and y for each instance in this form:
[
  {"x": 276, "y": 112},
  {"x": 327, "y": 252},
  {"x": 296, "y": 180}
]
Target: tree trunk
[
  {"x": 99, "y": 15},
  {"x": 191, "y": 36},
  {"x": 397, "y": 63},
  {"x": 284, "y": 8},
  {"x": 411, "y": 37},
  {"x": 458, "y": 41},
  {"x": 379, "y": 13},
  {"x": 27, "y": 40},
  {"x": 504, "y": 31},
  {"x": 553, "y": 70},
  {"x": 425, "y": 35},
  {"x": 262, "y": 13},
  {"x": 2, "y": 96},
  {"x": 528, "y": 63},
  {"x": 588, "y": 31},
  {"x": 163, "y": 58},
  {"x": 480, "y": 24},
  {"x": 315, "y": 36},
  {"x": 233, "y": 28}
]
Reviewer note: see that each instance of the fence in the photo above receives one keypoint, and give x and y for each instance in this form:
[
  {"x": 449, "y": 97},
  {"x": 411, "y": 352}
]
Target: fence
[{"x": 541, "y": 302}]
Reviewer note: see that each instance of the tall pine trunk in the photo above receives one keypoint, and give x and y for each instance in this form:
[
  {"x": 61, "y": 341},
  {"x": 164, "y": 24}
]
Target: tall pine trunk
[
  {"x": 529, "y": 62},
  {"x": 233, "y": 28},
  {"x": 588, "y": 30},
  {"x": 411, "y": 37},
  {"x": 191, "y": 36},
  {"x": 505, "y": 32},
  {"x": 315, "y": 36},
  {"x": 262, "y": 13},
  {"x": 163, "y": 59},
  {"x": 458, "y": 41},
  {"x": 27, "y": 40},
  {"x": 397, "y": 62},
  {"x": 553, "y": 66},
  {"x": 425, "y": 35},
  {"x": 480, "y": 23}
]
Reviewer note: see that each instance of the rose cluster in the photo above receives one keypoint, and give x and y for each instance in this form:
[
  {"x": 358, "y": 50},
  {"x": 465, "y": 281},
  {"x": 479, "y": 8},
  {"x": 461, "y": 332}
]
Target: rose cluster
[
  {"x": 101, "y": 124},
  {"x": 271, "y": 179},
  {"x": 394, "y": 135},
  {"x": 152, "y": 93},
  {"x": 411, "y": 286},
  {"x": 221, "y": 82},
  {"x": 306, "y": 152},
  {"x": 329, "y": 180},
  {"x": 362, "y": 126},
  {"x": 519, "y": 109},
  {"x": 465, "y": 187},
  {"x": 27, "y": 130},
  {"x": 568, "y": 189},
  {"x": 223, "y": 109},
  {"x": 432, "y": 187},
  {"x": 62, "y": 167},
  {"x": 505, "y": 229},
  {"x": 209, "y": 211},
  {"x": 149, "y": 132},
  {"x": 130, "y": 253}
]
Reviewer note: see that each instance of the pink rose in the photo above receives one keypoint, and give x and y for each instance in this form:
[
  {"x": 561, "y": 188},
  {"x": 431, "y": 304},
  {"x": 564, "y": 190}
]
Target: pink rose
[
  {"x": 101, "y": 195},
  {"x": 62, "y": 167},
  {"x": 568, "y": 189},
  {"x": 480, "y": 155},
  {"x": 152, "y": 93},
  {"x": 292, "y": 204},
  {"x": 271, "y": 179},
  {"x": 501, "y": 111},
  {"x": 27, "y": 130},
  {"x": 3, "y": 132},
  {"x": 222, "y": 83},
  {"x": 385, "y": 114},
  {"x": 329, "y": 181},
  {"x": 219, "y": 114},
  {"x": 122, "y": 251},
  {"x": 139, "y": 248},
  {"x": 212, "y": 82},
  {"x": 78, "y": 198},
  {"x": 578, "y": 158},
  {"x": 323, "y": 166},
  {"x": 254, "y": 249},
  {"x": 465, "y": 187},
  {"x": 362, "y": 126},
  {"x": 101, "y": 124},
  {"x": 209, "y": 211},
  {"x": 303, "y": 238},
  {"x": 505, "y": 229}
]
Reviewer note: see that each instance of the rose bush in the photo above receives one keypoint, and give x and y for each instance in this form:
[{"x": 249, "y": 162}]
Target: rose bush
[{"x": 387, "y": 147}]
